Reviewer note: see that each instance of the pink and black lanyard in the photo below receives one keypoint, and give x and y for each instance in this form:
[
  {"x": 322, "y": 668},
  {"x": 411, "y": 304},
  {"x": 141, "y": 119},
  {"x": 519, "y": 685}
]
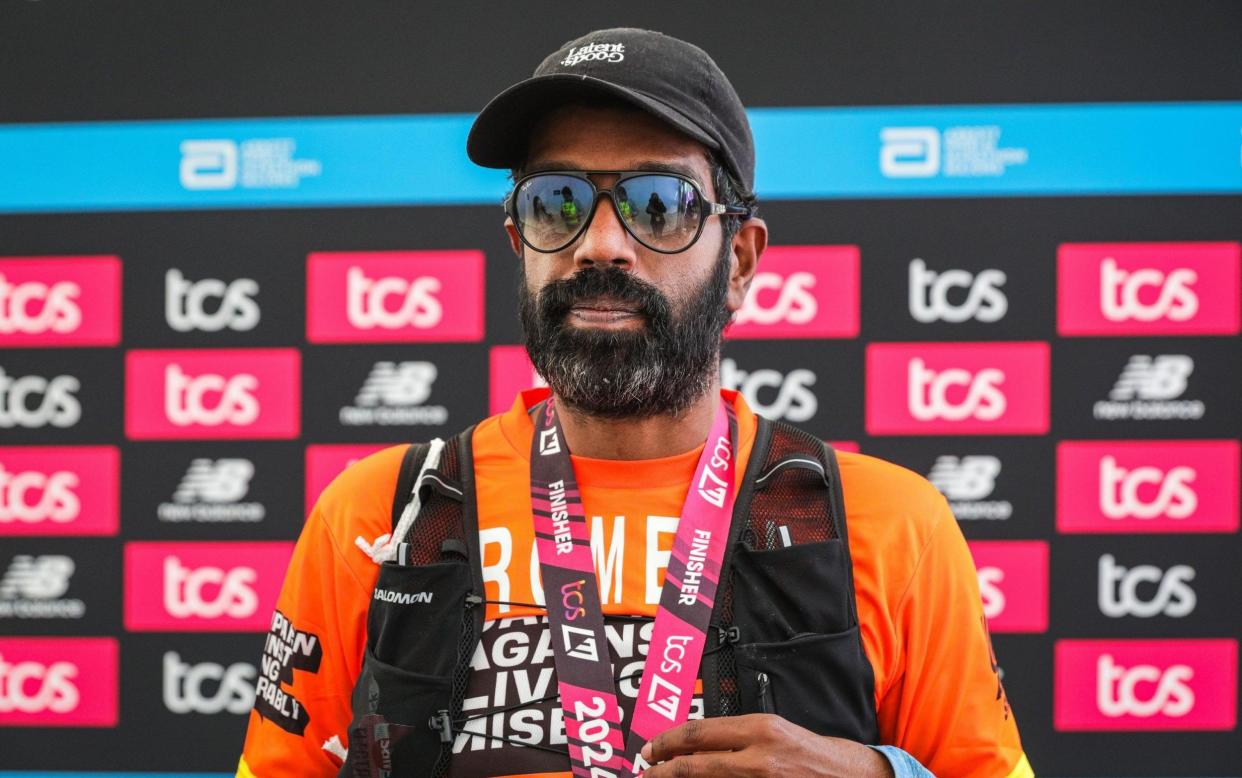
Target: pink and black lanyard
[{"x": 597, "y": 746}]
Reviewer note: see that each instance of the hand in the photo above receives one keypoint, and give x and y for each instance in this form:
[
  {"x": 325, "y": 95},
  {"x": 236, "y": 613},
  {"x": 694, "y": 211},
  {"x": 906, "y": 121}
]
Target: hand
[{"x": 759, "y": 744}]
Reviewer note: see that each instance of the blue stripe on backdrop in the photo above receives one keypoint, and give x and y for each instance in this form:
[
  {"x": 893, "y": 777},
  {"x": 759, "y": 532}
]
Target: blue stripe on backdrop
[{"x": 804, "y": 153}]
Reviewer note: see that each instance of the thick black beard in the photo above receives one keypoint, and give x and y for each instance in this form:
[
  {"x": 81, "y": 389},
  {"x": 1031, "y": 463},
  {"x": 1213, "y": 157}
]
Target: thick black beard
[{"x": 660, "y": 369}]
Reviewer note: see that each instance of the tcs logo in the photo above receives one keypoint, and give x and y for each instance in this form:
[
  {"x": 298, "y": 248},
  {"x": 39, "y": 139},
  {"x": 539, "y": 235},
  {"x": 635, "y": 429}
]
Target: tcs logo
[
  {"x": 1119, "y": 597},
  {"x": 1145, "y": 685},
  {"x": 1013, "y": 583},
  {"x": 946, "y": 388},
  {"x": 229, "y": 586},
  {"x": 58, "y": 682},
  {"x": 391, "y": 296},
  {"x": 60, "y": 301},
  {"x": 33, "y": 401},
  {"x": 186, "y": 303},
  {"x": 929, "y": 295},
  {"x": 794, "y": 400},
  {"x": 242, "y": 393},
  {"x": 59, "y": 490},
  {"x": 1139, "y": 486},
  {"x": 802, "y": 292},
  {"x": 1148, "y": 288}
]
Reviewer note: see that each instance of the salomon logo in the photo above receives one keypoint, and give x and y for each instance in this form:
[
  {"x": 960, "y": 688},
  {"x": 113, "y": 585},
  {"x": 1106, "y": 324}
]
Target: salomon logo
[{"x": 403, "y": 598}]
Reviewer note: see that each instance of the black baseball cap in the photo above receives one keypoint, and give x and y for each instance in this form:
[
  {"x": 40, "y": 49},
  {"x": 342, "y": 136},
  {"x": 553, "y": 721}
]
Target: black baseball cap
[{"x": 669, "y": 78}]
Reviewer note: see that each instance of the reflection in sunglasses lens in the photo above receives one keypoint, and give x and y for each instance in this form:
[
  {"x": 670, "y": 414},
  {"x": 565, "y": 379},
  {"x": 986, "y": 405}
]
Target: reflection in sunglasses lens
[{"x": 663, "y": 212}]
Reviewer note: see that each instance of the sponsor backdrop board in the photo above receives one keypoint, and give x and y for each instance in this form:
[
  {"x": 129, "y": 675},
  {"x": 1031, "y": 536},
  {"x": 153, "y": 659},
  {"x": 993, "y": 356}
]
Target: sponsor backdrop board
[{"x": 1006, "y": 254}]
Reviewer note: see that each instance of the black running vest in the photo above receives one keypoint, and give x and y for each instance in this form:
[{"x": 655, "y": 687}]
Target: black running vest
[{"x": 785, "y": 637}]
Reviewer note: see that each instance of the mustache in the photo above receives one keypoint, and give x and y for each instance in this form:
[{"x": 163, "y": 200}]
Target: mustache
[{"x": 559, "y": 297}]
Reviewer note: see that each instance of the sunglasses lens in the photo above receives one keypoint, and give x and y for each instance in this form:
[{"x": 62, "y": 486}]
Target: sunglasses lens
[
  {"x": 661, "y": 211},
  {"x": 550, "y": 209}
]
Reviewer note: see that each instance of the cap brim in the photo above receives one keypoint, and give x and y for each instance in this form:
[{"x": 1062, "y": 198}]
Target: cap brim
[{"x": 501, "y": 132}]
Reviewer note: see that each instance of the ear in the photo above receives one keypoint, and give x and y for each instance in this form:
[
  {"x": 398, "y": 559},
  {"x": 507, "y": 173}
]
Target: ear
[
  {"x": 515, "y": 242},
  {"x": 748, "y": 245}
]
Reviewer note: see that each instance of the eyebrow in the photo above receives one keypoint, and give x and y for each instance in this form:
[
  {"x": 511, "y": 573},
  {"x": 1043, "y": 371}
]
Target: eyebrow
[{"x": 649, "y": 166}]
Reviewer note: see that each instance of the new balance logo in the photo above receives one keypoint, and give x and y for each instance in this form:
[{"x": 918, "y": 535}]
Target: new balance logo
[
  {"x": 965, "y": 482},
  {"x": 212, "y": 490},
  {"x": 794, "y": 400},
  {"x": 929, "y": 294},
  {"x": 394, "y": 394},
  {"x": 33, "y": 586},
  {"x": 1148, "y": 389}
]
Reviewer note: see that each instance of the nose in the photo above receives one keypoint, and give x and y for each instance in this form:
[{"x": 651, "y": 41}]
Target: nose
[{"x": 605, "y": 242}]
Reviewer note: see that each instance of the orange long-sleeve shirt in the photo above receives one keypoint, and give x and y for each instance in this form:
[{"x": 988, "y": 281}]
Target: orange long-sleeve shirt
[{"x": 937, "y": 694}]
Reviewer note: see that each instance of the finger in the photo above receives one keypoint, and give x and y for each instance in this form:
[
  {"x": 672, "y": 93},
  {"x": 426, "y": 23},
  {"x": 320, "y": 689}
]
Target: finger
[
  {"x": 726, "y": 733},
  {"x": 696, "y": 765}
]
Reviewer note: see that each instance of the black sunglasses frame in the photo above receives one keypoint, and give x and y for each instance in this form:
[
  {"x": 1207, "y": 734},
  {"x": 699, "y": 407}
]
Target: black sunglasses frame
[{"x": 710, "y": 209}]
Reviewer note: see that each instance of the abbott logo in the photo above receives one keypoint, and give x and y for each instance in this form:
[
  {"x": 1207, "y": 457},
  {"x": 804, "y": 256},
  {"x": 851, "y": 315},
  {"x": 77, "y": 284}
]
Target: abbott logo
[
  {"x": 393, "y": 394},
  {"x": 32, "y": 589},
  {"x": 1148, "y": 288},
  {"x": 212, "y": 490},
  {"x": 416, "y": 303},
  {"x": 966, "y": 482},
  {"x": 256, "y": 163},
  {"x": 1119, "y": 597},
  {"x": 1148, "y": 388},
  {"x": 794, "y": 400},
  {"x": 208, "y": 164},
  {"x": 928, "y": 398},
  {"x": 909, "y": 152},
  {"x": 579, "y": 643},
  {"x": 1175, "y": 297},
  {"x": 184, "y": 588},
  {"x": 929, "y": 294},
  {"x": 185, "y": 398},
  {"x": 186, "y": 303},
  {"x": 34, "y": 401},
  {"x": 1119, "y": 491},
  {"x": 1117, "y": 689},
  {"x": 186, "y": 686}
]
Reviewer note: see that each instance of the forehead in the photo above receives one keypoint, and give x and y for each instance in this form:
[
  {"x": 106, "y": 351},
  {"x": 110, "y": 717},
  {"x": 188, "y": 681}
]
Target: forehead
[{"x": 613, "y": 138}]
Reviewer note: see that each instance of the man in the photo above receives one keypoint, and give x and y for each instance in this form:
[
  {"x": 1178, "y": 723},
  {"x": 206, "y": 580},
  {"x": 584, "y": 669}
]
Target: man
[{"x": 448, "y": 659}]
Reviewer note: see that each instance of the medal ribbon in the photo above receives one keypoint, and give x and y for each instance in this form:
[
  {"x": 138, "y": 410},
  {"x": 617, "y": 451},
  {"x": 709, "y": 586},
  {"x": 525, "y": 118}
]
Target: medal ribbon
[{"x": 597, "y": 746}]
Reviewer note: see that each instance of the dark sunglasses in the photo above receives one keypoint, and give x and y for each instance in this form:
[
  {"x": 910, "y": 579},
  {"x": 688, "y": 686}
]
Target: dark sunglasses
[{"x": 663, "y": 211}]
